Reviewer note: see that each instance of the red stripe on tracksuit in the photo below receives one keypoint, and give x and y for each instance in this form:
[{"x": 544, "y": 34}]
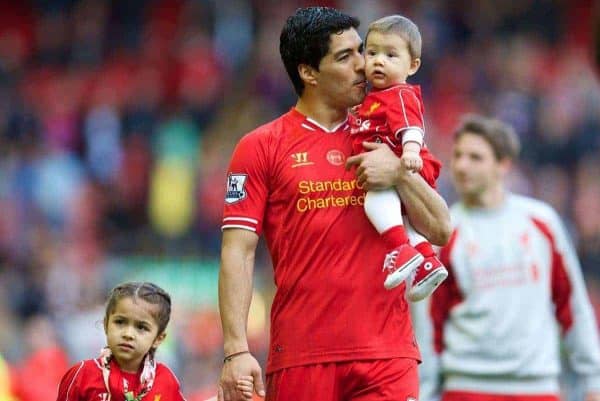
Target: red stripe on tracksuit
[{"x": 561, "y": 283}]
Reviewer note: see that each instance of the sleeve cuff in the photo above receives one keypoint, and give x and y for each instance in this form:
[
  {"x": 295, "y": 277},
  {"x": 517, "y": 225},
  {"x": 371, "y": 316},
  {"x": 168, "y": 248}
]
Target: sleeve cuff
[
  {"x": 245, "y": 223},
  {"x": 412, "y": 135}
]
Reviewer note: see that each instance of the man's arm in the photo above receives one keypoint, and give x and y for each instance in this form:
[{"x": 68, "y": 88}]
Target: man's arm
[
  {"x": 235, "y": 295},
  {"x": 574, "y": 310},
  {"x": 380, "y": 168},
  {"x": 426, "y": 209}
]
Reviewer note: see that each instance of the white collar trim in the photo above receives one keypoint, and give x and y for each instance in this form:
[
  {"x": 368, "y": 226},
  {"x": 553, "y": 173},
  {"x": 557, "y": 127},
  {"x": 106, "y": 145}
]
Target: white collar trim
[{"x": 325, "y": 129}]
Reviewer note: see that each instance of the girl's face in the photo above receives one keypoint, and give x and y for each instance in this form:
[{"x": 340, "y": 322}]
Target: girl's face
[{"x": 131, "y": 330}]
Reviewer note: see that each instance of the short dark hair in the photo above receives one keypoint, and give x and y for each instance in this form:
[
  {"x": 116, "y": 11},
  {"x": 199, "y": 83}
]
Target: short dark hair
[
  {"x": 502, "y": 137},
  {"x": 401, "y": 26},
  {"x": 150, "y": 293},
  {"x": 305, "y": 38}
]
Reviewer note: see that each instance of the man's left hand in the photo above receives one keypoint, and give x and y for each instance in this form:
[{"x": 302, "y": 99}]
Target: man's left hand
[{"x": 377, "y": 168}]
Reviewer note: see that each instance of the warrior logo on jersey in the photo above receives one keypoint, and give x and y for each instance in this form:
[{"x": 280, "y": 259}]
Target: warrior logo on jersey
[
  {"x": 104, "y": 397},
  {"x": 301, "y": 159},
  {"x": 235, "y": 187}
]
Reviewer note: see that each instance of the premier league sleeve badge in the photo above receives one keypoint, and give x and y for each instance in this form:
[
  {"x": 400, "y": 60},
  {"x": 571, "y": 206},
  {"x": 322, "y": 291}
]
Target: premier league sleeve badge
[{"x": 235, "y": 187}]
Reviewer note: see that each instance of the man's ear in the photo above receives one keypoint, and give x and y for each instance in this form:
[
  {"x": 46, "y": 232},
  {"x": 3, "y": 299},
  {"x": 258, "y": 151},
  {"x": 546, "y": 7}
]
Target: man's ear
[
  {"x": 308, "y": 74},
  {"x": 414, "y": 66},
  {"x": 159, "y": 339},
  {"x": 505, "y": 165}
]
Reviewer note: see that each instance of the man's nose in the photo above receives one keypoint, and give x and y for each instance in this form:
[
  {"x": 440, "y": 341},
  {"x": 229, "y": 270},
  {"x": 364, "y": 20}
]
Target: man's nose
[
  {"x": 360, "y": 63},
  {"x": 459, "y": 163}
]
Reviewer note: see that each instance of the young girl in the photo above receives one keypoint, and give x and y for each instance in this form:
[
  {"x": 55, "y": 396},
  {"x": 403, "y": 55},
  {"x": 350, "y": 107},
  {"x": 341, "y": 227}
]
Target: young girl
[{"x": 135, "y": 321}]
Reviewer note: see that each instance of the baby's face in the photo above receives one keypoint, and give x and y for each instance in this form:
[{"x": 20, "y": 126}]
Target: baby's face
[{"x": 387, "y": 60}]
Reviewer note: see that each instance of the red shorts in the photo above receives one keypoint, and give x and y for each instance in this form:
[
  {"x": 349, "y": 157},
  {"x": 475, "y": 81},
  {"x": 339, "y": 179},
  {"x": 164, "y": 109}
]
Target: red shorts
[
  {"x": 471, "y": 396},
  {"x": 375, "y": 380}
]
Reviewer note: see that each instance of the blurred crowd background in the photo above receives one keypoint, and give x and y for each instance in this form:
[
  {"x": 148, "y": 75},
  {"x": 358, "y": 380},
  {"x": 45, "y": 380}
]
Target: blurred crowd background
[{"x": 117, "y": 120}]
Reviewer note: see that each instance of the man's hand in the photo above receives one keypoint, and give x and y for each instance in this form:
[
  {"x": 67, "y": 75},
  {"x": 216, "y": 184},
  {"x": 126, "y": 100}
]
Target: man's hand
[
  {"x": 235, "y": 370},
  {"x": 380, "y": 168},
  {"x": 377, "y": 168}
]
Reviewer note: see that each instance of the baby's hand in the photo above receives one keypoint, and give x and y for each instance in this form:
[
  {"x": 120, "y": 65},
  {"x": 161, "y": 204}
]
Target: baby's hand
[
  {"x": 411, "y": 161},
  {"x": 245, "y": 385}
]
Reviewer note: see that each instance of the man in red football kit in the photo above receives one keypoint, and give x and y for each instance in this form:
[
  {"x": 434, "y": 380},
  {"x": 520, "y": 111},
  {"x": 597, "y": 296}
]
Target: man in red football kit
[{"x": 335, "y": 335}]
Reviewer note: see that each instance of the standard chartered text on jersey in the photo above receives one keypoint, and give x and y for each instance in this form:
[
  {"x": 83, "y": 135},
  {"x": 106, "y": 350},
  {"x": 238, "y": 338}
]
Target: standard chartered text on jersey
[
  {"x": 307, "y": 186},
  {"x": 305, "y": 204}
]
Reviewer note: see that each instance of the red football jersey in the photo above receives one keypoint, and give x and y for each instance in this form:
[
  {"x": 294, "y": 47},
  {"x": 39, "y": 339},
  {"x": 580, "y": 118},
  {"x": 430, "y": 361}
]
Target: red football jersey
[
  {"x": 84, "y": 382},
  {"x": 385, "y": 114},
  {"x": 288, "y": 180}
]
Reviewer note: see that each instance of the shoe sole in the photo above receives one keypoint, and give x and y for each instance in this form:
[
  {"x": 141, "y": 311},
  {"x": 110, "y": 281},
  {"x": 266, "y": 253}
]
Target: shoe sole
[
  {"x": 427, "y": 286},
  {"x": 396, "y": 278}
]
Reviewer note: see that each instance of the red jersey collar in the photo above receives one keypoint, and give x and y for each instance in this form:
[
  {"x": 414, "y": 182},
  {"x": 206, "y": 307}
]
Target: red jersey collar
[{"x": 312, "y": 125}]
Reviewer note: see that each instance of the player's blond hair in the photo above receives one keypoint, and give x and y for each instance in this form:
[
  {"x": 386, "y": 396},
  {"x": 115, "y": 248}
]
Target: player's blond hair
[{"x": 401, "y": 26}]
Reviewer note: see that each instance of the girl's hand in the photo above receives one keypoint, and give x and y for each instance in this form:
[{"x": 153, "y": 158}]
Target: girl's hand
[
  {"x": 243, "y": 366},
  {"x": 245, "y": 385}
]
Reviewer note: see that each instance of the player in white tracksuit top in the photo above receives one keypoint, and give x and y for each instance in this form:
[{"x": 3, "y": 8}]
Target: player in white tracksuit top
[{"x": 514, "y": 290}]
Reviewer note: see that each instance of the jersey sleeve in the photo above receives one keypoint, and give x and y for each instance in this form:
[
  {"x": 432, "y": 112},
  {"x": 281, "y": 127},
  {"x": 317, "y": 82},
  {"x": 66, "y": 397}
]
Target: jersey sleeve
[
  {"x": 573, "y": 308},
  {"x": 68, "y": 389},
  {"x": 405, "y": 115},
  {"x": 247, "y": 184},
  {"x": 177, "y": 395},
  {"x": 170, "y": 383}
]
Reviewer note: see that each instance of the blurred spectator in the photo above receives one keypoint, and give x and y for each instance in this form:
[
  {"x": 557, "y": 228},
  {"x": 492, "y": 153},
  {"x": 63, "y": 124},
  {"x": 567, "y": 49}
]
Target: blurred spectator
[
  {"x": 587, "y": 213},
  {"x": 38, "y": 376},
  {"x": 6, "y": 384}
]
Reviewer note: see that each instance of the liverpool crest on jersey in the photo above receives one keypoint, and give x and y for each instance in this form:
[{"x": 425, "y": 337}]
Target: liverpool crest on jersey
[{"x": 235, "y": 187}]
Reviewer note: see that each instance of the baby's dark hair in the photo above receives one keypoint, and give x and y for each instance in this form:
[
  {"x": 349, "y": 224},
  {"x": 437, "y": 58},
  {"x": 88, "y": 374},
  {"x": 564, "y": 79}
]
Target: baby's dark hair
[{"x": 148, "y": 292}]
